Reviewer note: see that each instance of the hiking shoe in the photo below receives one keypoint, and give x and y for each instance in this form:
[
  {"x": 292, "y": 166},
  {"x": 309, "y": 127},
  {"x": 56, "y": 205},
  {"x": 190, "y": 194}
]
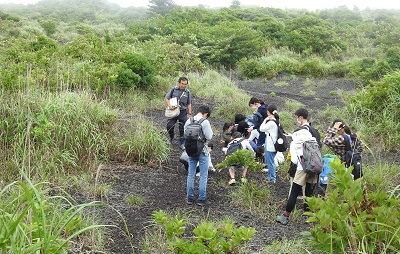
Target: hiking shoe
[
  {"x": 182, "y": 146},
  {"x": 264, "y": 170},
  {"x": 282, "y": 219},
  {"x": 243, "y": 180},
  {"x": 232, "y": 181},
  {"x": 203, "y": 202},
  {"x": 189, "y": 201}
]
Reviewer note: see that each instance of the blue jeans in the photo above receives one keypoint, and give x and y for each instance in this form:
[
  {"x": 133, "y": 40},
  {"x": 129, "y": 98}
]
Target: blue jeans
[
  {"x": 269, "y": 160},
  {"x": 203, "y": 165}
]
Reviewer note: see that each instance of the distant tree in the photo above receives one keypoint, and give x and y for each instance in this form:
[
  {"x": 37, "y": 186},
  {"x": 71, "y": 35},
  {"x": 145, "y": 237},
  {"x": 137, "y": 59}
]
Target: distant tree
[
  {"x": 49, "y": 26},
  {"x": 161, "y": 7},
  {"x": 137, "y": 71},
  {"x": 235, "y": 4}
]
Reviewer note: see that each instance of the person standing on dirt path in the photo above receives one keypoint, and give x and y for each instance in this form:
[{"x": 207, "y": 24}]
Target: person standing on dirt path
[
  {"x": 302, "y": 118},
  {"x": 262, "y": 109},
  {"x": 183, "y": 95},
  {"x": 271, "y": 131},
  {"x": 301, "y": 179},
  {"x": 202, "y": 160}
]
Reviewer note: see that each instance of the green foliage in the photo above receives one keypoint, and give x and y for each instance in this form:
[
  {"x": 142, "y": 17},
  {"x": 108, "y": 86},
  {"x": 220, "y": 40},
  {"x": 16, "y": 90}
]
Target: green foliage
[
  {"x": 251, "y": 197},
  {"x": 135, "y": 200},
  {"x": 241, "y": 157},
  {"x": 138, "y": 72},
  {"x": 309, "y": 31},
  {"x": 49, "y": 26},
  {"x": 161, "y": 7},
  {"x": 171, "y": 58},
  {"x": 32, "y": 221},
  {"x": 138, "y": 141},
  {"x": 353, "y": 216},
  {"x": 377, "y": 107},
  {"x": 314, "y": 67},
  {"x": 127, "y": 78},
  {"x": 66, "y": 132},
  {"x": 208, "y": 237},
  {"x": 250, "y": 68}
]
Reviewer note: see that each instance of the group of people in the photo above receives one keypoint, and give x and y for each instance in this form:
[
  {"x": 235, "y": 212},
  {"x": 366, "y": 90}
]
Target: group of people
[{"x": 258, "y": 136}]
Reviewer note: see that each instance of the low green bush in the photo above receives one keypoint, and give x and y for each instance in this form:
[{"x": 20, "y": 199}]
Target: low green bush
[
  {"x": 353, "y": 217},
  {"x": 208, "y": 237}
]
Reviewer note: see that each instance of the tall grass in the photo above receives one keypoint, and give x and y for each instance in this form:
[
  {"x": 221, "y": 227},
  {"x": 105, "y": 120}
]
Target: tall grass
[
  {"x": 64, "y": 133},
  {"x": 53, "y": 133},
  {"x": 34, "y": 222}
]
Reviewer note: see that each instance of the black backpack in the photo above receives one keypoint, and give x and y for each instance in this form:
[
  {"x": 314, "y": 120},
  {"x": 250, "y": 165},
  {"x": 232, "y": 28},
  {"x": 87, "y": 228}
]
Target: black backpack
[
  {"x": 234, "y": 145},
  {"x": 194, "y": 137},
  {"x": 281, "y": 144},
  {"x": 353, "y": 158},
  {"x": 315, "y": 133}
]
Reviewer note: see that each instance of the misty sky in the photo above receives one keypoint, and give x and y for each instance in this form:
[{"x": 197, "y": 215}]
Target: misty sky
[{"x": 304, "y": 4}]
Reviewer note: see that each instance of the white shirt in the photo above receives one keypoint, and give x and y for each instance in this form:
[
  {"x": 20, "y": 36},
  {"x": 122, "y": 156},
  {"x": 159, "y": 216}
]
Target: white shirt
[{"x": 271, "y": 131}]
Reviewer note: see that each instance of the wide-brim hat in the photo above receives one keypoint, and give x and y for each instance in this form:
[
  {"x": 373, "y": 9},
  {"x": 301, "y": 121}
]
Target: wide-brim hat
[{"x": 300, "y": 136}]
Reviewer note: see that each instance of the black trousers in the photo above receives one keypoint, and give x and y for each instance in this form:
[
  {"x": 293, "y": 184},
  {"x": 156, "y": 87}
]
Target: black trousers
[
  {"x": 294, "y": 193},
  {"x": 181, "y": 121}
]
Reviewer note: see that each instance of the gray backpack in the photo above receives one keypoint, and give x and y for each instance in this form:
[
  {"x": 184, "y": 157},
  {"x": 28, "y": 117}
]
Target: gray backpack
[
  {"x": 194, "y": 137},
  {"x": 311, "y": 161},
  {"x": 233, "y": 146}
]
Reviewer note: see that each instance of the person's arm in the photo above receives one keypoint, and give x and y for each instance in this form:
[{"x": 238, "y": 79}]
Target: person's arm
[
  {"x": 189, "y": 110},
  {"x": 246, "y": 145},
  {"x": 293, "y": 153},
  {"x": 359, "y": 144},
  {"x": 330, "y": 140},
  {"x": 208, "y": 133},
  {"x": 189, "y": 104},
  {"x": 263, "y": 126},
  {"x": 168, "y": 96}
]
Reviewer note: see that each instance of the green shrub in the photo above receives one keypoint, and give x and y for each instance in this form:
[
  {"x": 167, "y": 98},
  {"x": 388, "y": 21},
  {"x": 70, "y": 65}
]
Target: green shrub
[
  {"x": 354, "y": 217},
  {"x": 249, "y": 68},
  {"x": 377, "y": 108},
  {"x": 241, "y": 157},
  {"x": 208, "y": 237},
  {"x": 141, "y": 74}
]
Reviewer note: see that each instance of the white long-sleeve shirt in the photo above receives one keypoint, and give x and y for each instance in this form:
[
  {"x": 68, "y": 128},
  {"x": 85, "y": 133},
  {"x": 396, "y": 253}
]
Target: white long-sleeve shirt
[{"x": 271, "y": 131}]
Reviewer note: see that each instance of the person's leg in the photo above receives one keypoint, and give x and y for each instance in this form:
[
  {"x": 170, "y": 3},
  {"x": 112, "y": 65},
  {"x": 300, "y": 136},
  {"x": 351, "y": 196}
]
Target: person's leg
[
  {"x": 191, "y": 177},
  {"x": 231, "y": 173},
  {"x": 203, "y": 164},
  {"x": 170, "y": 127},
  {"x": 244, "y": 172},
  {"x": 291, "y": 183},
  {"x": 295, "y": 191},
  {"x": 309, "y": 191},
  {"x": 269, "y": 159},
  {"x": 182, "y": 118}
]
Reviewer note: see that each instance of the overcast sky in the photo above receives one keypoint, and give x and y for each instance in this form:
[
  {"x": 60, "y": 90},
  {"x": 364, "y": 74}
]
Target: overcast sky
[{"x": 298, "y": 4}]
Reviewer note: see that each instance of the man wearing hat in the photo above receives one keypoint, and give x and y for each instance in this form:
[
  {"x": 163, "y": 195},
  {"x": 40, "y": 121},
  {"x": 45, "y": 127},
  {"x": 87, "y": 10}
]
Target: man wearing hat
[{"x": 301, "y": 178}]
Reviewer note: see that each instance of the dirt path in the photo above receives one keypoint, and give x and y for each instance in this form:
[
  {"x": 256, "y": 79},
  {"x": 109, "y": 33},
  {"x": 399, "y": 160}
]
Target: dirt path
[{"x": 165, "y": 187}]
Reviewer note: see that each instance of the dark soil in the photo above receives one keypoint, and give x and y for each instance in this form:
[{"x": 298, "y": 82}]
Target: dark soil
[{"x": 164, "y": 186}]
